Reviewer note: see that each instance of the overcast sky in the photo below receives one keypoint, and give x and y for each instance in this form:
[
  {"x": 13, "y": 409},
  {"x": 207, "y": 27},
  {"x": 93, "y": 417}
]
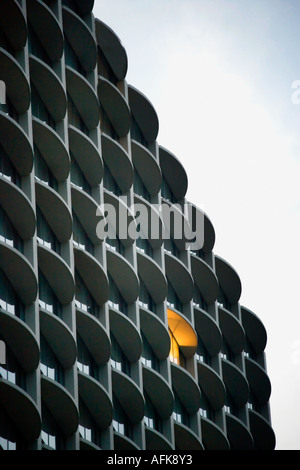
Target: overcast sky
[{"x": 220, "y": 74}]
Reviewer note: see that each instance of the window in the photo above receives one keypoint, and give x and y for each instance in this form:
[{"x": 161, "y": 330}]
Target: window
[
  {"x": 80, "y": 237},
  {"x": 116, "y": 299},
  {"x": 7, "y": 170},
  {"x": 148, "y": 357},
  {"x": 12, "y": 371},
  {"x": 39, "y": 110},
  {"x": 118, "y": 359},
  {"x": 106, "y": 126},
  {"x": 173, "y": 300},
  {"x": 179, "y": 414},
  {"x": 42, "y": 171},
  {"x": 47, "y": 299},
  {"x": 170, "y": 247},
  {"x": 83, "y": 298},
  {"x": 205, "y": 409},
  {"x": 45, "y": 235},
  {"x": 139, "y": 187},
  {"x": 199, "y": 299},
  {"x": 9, "y": 300},
  {"x": 85, "y": 361},
  {"x": 50, "y": 365},
  {"x": 202, "y": 353},
  {"x": 105, "y": 69},
  {"x": 144, "y": 246},
  {"x": 151, "y": 418},
  {"x": 109, "y": 181},
  {"x": 223, "y": 300},
  {"x": 121, "y": 423},
  {"x": 136, "y": 133},
  {"x": 166, "y": 192},
  {"x": 8, "y": 234},
  {"x": 74, "y": 117},
  {"x": 88, "y": 429},
  {"x": 78, "y": 178},
  {"x": 145, "y": 298},
  {"x": 35, "y": 46},
  {"x": 72, "y": 59},
  {"x": 51, "y": 435}
]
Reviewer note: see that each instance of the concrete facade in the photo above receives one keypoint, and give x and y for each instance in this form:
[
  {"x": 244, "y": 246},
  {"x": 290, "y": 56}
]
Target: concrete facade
[{"x": 110, "y": 342}]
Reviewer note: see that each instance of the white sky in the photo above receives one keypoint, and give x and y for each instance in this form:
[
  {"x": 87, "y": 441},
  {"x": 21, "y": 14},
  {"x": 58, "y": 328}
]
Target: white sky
[{"x": 219, "y": 74}]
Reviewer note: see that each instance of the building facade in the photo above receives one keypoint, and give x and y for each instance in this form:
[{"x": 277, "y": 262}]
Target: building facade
[{"x": 108, "y": 341}]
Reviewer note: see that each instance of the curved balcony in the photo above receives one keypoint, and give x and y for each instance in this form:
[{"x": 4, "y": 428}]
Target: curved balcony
[
  {"x": 59, "y": 337},
  {"x": 262, "y": 432},
  {"x": 183, "y": 332},
  {"x": 19, "y": 273},
  {"x": 144, "y": 113},
  {"x": 208, "y": 330},
  {"x": 80, "y": 38},
  {"x": 126, "y": 334},
  {"x": 176, "y": 225},
  {"x": 17, "y": 86},
  {"x": 186, "y": 388},
  {"x": 212, "y": 386},
  {"x": 18, "y": 207},
  {"x": 16, "y": 144},
  {"x": 205, "y": 279},
  {"x": 94, "y": 336},
  {"x": 186, "y": 439},
  {"x": 212, "y": 436},
  {"x": 208, "y": 236},
  {"x": 52, "y": 149},
  {"x": 156, "y": 333},
  {"x": 151, "y": 223},
  {"x": 147, "y": 167},
  {"x": 84, "y": 98},
  {"x": 255, "y": 330},
  {"x": 258, "y": 380},
  {"x": 156, "y": 441},
  {"x": 87, "y": 156},
  {"x": 123, "y": 275},
  {"x": 232, "y": 330},
  {"x": 49, "y": 87},
  {"x": 21, "y": 340},
  {"x": 120, "y": 217},
  {"x": 13, "y": 23},
  {"x": 173, "y": 172},
  {"x": 159, "y": 392},
  {"x": 88, "y": 212},
  {"x": 236, "y": 382},
  {"x": 85, "y": 6},
  {"x": 60, "y": 404},
  {"x": 93, "y": 274},
  {"x": 122, "y": 443},
  {"x": 180, "y": 278},
  {"x": 118, "y": 162},
  {"x": 21, "y": 409},
  {"x": 46, "y": 27},
  {"x": 239, "y": 435},
  {"x": 149, "y": 270},
  {"x": 115, "y": 106},
  {"x": 112, "y": 48},
  {"x": 57, "y": 273},
  {"x": 228, "y": 279},
  {"x": 129, "y": 396},
  {"x": 55, "y": 211},
  {"x": 96, "y": 399}
]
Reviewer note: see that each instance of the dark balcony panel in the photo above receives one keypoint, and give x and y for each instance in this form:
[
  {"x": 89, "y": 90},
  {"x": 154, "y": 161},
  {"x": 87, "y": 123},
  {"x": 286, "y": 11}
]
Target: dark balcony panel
[
  {"x": 46, "y": 27},
  {"x": 112, "y": 48}
]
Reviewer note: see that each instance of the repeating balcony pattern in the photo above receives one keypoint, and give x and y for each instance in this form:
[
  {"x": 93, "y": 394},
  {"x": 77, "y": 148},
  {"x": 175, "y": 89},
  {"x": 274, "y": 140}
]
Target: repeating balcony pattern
[{"x": 113, "y": 342}]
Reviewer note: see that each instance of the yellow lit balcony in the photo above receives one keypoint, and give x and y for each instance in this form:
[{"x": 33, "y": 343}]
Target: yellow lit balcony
[{"x": 183, "y": 338}]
